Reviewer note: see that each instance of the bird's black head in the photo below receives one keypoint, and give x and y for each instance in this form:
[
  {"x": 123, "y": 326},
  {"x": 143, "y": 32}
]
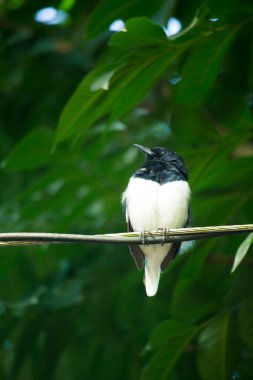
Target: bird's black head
[{"x": 162, "y": 165}]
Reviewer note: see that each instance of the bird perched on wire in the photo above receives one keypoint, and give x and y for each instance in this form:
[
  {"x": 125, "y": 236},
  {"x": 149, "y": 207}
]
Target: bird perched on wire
[{"x": 157, "y": 197}]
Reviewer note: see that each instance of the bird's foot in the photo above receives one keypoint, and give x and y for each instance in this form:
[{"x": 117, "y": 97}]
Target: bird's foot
[
  {"x": 164, "y": 231},
  {"x": 142, "y": 237}
]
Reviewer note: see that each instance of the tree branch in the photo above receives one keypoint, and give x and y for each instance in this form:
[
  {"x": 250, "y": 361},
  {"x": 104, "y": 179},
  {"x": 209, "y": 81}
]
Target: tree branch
[{"x": 149, "y": 237}]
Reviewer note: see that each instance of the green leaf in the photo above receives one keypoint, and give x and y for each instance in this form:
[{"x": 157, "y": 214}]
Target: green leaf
[
  {"x": 193, "y": 300},
  {"x": 77, "y": 113},
  {"x": 245, "y": 321},
  {"x": 240, "y": 287},
  {"x": 164, "y": 330},
  {"x": 233, "y": 8},
  {"x": 110, "y": 10},
  {"x": 129, "y": 84},
  {"x": 139, "y": 32},
  {"x": 173, "y": 337},
  {"x": 64, "y": 295},
  {"x": 214, "y": 350},
  {"x": 33, "y": 324},
  {"x": 135, "y": 86},
  {"x": 242, "y": 251},
  {"x": 55, "y": 340},
  {"x": 202, "y": 67},
  {"x": 32, "y": 152},
  {"x": 102, "y": 82}
]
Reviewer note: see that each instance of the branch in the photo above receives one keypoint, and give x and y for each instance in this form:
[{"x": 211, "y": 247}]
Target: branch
[{"x": 153, "y": 237}]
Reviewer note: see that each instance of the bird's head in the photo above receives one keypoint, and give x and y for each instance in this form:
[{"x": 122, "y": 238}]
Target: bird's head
[
  {"x": 165, "y": 157},
  {"x": 158, "y": 154}
]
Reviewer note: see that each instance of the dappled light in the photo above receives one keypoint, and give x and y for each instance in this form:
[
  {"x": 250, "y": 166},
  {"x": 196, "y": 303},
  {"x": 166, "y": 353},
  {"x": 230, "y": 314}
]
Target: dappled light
[{"x": 51, "y": 16}]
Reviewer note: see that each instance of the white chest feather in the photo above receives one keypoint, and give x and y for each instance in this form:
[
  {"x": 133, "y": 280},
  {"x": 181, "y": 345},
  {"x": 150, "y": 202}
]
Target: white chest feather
[{"x": 151, "y": 206}]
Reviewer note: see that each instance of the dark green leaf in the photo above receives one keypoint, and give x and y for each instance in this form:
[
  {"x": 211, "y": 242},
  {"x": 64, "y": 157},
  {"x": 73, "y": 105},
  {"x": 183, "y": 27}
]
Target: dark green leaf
[
  {"x": 64, "y": 295},
  {"x": 178, "y": 338},
  {"x": 245, "y": 321},
  {"x": 192, "y": 301},
  {"x": 82, "y": 109},
  {"x": 110, "y": 10},
  {"x": 165, "y": 330},
  {"x": 137, "y": 83},
  {"x": 32, "y": 152},
  {"x": 139, "y": 32},
  {"x": 230, "y": 8},
  {"x": 27, "y": 339},
  {"x": 129, "y": 84},
  {"x": 203, "y": 66},
  {"x": 241, "y": 283},
  {"x": 214, "y": 351}
]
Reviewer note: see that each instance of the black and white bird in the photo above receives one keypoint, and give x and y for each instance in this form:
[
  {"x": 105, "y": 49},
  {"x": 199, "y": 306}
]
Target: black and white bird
[{"x": 157, "y": 197}]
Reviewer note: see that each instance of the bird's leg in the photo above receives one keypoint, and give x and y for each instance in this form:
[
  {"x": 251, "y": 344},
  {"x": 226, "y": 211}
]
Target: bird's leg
[{"x": 164, "y": 231}]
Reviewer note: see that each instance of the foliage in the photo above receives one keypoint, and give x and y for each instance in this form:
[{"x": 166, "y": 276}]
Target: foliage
[{"x": 75, "y": 312}]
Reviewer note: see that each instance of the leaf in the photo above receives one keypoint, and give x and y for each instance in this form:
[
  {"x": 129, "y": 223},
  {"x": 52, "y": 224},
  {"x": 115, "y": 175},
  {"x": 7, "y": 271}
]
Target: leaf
[
  {"x": 165, "y": 329},
  {"x": 202, "y": 67},
  {"x": 214, "y": 350},
  {"x": 25, "y": 344},
  {"x": 77, "y": 113},
  {"x": 129, "y": 85},
  {"x": 242, "y": 251},
  {"x": 245, "y": 321},
  {"x": 31, "y": 152},
  {"x": 240, "y": 287},
  {"x": 55, "y": 340},
  {"x": 102, "y": 82},
  {"x": 110, "y": 10},
  {"x": 139, "y": 32},
  {"x": 232, "y": 8},
  {"x": 193, "y": 300},
  {"x": 174, "y": 338},
  {"x": 139, "y": 81},
  {"x": 64, "y": 295}
]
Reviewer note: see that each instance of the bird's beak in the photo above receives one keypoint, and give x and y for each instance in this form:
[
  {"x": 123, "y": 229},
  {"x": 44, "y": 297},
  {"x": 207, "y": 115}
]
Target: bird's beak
[{"x": 144, "y": 149}]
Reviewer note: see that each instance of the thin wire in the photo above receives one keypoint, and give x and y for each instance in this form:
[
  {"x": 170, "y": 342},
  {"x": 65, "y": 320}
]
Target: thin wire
[{"x": 150, "y": 237}]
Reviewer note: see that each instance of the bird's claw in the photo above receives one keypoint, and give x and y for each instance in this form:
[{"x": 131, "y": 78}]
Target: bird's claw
[
  {"x": 164, "y": 231},
  {"x": 142, "y": 236}
]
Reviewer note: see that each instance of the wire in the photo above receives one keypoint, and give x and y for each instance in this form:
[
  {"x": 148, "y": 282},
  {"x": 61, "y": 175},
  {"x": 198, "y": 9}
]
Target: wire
[{"x": 150, "y": 237}]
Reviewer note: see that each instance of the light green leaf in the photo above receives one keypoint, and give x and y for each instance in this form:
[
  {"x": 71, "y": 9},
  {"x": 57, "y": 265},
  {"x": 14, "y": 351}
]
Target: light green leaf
[
  {"x": 242, "y": 251},
  {"x": 33, "y": 151},
  {"x": 203, "y": 66},
  {"x": 102, "y": 82},
  {"x": 174, "y": 338},
  {"x": 214, "y": 350}
]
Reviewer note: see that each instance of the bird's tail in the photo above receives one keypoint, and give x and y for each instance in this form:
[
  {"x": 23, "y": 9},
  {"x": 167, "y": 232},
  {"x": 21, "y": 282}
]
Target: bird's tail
[{"x": 151, "y": 279}]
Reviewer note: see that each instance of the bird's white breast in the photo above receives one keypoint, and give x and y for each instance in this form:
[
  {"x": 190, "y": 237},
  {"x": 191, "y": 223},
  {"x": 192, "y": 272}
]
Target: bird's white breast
[{"x": 150, "y": 206}]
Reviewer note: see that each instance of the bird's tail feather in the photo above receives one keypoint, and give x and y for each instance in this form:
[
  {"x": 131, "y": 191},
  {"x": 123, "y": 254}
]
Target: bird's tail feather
[{"x": 151, "y": 280}]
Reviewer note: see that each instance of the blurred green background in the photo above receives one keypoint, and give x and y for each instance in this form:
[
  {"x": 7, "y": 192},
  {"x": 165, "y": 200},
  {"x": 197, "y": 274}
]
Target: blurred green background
[{"x": 75, "y": 94}]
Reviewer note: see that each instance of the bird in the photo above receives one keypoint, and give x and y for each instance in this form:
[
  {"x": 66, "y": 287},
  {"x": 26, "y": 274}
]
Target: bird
[{"x": 157, "y": 197}]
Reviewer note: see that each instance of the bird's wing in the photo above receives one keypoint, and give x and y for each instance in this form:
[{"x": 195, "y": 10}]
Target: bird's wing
[
  {"x": 174, "y": 249},
  {"x": 136, "y": 251}
]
